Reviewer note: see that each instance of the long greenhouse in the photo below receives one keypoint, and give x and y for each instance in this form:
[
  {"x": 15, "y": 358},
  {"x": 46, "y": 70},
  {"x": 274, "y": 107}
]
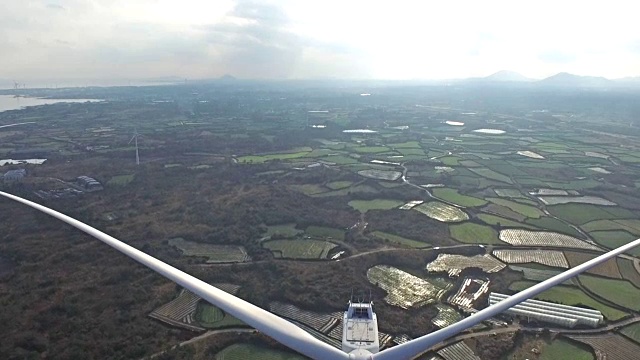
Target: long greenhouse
[{"x": 563, "y": 315}]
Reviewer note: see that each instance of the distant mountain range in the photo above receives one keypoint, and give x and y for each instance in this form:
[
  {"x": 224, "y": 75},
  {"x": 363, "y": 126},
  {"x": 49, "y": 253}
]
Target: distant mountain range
[{"x": 559, "y": 80}]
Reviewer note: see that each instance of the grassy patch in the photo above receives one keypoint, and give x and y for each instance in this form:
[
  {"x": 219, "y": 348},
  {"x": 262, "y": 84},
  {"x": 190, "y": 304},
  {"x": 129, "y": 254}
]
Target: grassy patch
[
  {"x": 323, "y": 231},
  {"x": 471, "y": 233},
  {"x": 299, "y": 249},
  {"x": 251, "y": 351},
  {"x": 121, "y": 180},
  {"x": 583, "y": 213},
  {"x": 549, "y": 223},
  {"x": 337, "y": 185},
  {"x": 570, "y": 296},
  {"x": 309, "y": 189},
  {"x": 450, "y": 160},
  {"x": 210, "y": 317},
  {"x": 525, "y": 210},
  {"x": 399, "y": 239},
  {"x": 213, "y": 253},
  {"x": 620, "y": 292},
  {"x": 497, "y": 220},
  {"x": 490, "y": 174},
  {"x": 615, "y": 238},
  {"x": 370, "y": 149},
  {"x": 453, "y": 196},
  {"x": 286, "y": 230},
  {"x": 377, "y": 204},
  {"x": 565, "y": 349},
  {"x": 632, "y": 332},
  {"x": 258, "y": 159}
]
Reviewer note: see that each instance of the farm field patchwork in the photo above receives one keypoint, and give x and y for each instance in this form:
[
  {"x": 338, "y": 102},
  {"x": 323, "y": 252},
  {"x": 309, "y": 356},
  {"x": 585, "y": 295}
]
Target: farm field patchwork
[
  {"x": 524, "y": 210},
  {"x": 491, "y": 175},
  {"x": 387, "y": 175},
  {"x": 325, "y": 232},
  {"x": 284, "y": 230},
  {"x": 243, "y": 351},
  {"x": 403, "y": 289},
  {"x": 442, "y": 212},
  {"x": 607, "y": 269},
  {"x": 452, "y": 195},
  {"x": 299, "y": 248},
  {"x": 611, "y": 346},
  {"x": 619, "y": 292},
  {"x": 455, "y": 263},
  {"x": 399, "y": 239},
  {"x": 471, "y": 233},
  {"x": 503, "y": 222},
  {"x": 565, "y": 349},
  {"x": 545, "y": 257},
  {"x": 579, "y": 214},
  {"x": 213, "y": 253},
  {"x": 594, "y": 200},
  {"x": 629, "y": 271},
  {"x": 377, "y": 204},
  {"x": 520, "y": 237}
]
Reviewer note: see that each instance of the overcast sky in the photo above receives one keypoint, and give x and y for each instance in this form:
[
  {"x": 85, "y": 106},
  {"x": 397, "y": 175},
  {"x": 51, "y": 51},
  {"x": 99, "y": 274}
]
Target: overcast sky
[{"x": 138, "y": 39}]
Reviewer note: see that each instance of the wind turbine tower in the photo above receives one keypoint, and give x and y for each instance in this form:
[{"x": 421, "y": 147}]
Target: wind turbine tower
[{"x": 135, "y": 137}]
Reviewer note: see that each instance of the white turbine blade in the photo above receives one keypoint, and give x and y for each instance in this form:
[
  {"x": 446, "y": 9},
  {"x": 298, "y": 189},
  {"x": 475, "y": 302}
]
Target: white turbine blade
[
  {"x": 279, "y": 329},
  {"x": 417, "y": 346},
  {"x": 134, "y": 136}
]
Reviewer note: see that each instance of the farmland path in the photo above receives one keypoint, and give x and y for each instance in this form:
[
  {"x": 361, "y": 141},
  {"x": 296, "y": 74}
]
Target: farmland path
[{"x": 202, "y": 337}]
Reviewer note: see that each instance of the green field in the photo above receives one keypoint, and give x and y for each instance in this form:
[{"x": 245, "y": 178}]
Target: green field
[
  {"x": 285, "y": 230},
  {"x": 524, "y": 210},
  {"x": 377, "y": 204},
  {"x": 490, "y": 174},
  {"x": 244, "y": 351},
  {"x": 399, "y": 239},
  {"x": 630, "y": 225},
  {"x": 565, "y": 349},
  {"x": 570, "y": 296},
  {"x": 579, "y": 214},
  {"x": 552, "y": 224},
  {"x": 495, "y": 220},
  {"x": 370, "y": 149},
  {"x": 121, "y": 180},
  {"x": 323, "y": 231},
  {"x": 471, "y": 233},
  {"x": 615, "y": 238},
  {"x": 299, "y": 249},
  {"x": 340, "y": 159},
  {"x": 257, "y": 159},
  {"x": 632, "y": 332},
  {"x": 337, "y": 185},
  {"x": 309, "y": 189},
  {"x": 213, "y": 253},
  {"x": 620, "y": 292},
  {"x": 210, "y": 317},
  {"x": 452, "y": 195}
]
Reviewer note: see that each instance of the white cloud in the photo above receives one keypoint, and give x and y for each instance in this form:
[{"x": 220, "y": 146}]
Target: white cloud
[{"x": 301, "y": 39}]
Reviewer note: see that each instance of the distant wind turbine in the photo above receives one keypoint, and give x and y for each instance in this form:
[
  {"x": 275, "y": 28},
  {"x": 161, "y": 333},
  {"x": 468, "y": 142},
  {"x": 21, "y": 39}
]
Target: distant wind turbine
[{"x": 135, "y": 137}]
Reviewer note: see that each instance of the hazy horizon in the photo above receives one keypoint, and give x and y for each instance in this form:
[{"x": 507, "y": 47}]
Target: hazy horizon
[{"x": 73, "y": 41}]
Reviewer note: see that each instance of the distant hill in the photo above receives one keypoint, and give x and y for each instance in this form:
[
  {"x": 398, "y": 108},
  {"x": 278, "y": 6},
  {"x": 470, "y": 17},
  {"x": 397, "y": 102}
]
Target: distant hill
[
  {"x": 506, "y": 75},
  {"x": 227, "y": 77},
  {"x": 571, "y": 80}
]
